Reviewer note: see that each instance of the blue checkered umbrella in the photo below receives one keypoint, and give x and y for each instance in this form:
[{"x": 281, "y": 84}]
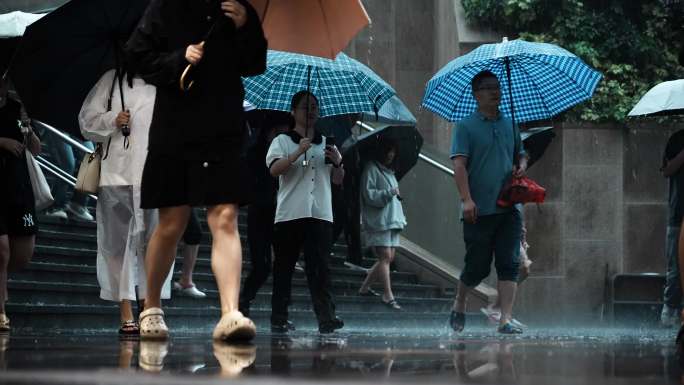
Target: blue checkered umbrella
[
  {"x": 546, "y": 80},
  {"x": 342, "y": 86}
]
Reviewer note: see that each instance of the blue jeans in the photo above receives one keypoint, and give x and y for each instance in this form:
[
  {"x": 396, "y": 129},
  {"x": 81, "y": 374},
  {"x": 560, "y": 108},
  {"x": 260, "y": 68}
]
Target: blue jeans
[
  {"x": 65, "y": 157},
  {"x": 494, "y": 237},
  {"x": 672, "y": 295}
]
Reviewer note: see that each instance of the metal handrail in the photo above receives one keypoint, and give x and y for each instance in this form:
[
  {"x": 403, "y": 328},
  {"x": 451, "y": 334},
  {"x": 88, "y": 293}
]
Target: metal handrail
[
  {"x": 58, "y": 172},
  {"x": 65, "y": 137},
  {"x": 47, "y": 164},
  {"x": 421, "y": 156},
  {"x": 54, "y": 169}
]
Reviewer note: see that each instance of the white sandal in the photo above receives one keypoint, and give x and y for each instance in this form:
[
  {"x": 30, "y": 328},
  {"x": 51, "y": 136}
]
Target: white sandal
[
  {"x": 152, "y": 354},
  {"x": 235, "y": 327},
  {"x": 4, "y": 323},
  {"x": 233, "y": 358},
  {"x": 152, "y": 325}
]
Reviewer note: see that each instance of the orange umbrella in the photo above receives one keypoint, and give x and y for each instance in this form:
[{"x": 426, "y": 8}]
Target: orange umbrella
[{"x": 311, "y": 27}]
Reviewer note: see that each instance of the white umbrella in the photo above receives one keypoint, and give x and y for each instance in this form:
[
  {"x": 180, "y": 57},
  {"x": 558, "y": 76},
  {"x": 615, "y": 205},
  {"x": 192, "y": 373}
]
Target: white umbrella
[
  {"x": 667, "y": 98},
  {"x": 14, "y": 23}
]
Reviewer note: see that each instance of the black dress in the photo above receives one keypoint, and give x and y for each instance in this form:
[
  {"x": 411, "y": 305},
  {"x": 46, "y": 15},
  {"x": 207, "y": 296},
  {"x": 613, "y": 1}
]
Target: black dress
[
  {"x": 17, "y": 205},
  {"x": 196, "y": 137}
]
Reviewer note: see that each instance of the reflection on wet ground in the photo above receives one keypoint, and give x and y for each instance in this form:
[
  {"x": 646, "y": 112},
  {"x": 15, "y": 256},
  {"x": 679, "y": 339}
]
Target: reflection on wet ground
[{"x": 591, "y": 356}]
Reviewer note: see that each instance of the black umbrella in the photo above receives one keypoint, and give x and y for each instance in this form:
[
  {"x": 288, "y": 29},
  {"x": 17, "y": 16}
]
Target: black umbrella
[
  {"x": 408, "y": 139},
  {"x": 536, "y": 140},
  {"x": 65, "y": 53}
]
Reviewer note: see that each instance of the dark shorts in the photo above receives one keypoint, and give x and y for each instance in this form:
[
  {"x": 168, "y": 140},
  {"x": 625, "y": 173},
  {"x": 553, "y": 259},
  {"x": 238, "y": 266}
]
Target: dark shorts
[
  {"x": 493, "y": 237},
  {"x": 17, "y": 206},
  {"x": 18, "y": 221},
  {"x": 195, "y": 178}
]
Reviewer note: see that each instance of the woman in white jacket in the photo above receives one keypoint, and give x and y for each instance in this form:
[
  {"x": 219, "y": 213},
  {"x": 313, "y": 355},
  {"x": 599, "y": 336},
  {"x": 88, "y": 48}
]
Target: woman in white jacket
[
  {"x": 123, "y": 228},
  {"x": 382, "y": 219}
]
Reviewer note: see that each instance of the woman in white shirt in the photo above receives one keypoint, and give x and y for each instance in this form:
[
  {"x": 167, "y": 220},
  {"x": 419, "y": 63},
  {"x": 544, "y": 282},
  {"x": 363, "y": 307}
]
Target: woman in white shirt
[
  {"x": 123, "y": 228},
  {"x": 304, "y": 213}
]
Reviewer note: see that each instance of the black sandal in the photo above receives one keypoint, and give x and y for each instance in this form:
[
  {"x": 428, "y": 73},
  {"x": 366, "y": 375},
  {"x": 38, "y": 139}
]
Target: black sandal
[
  {"x": 369, "y": 293},
  {"x": 392, "y": 304},
  {"x": 129, "y": 328}
]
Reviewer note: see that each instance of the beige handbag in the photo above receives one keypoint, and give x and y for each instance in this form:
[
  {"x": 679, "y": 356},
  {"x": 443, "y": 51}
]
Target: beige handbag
[{"x": 88, "y": 179}]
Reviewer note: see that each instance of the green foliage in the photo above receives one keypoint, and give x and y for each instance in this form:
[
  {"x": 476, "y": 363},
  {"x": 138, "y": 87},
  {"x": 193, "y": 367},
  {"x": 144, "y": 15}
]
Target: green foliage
[{"x": 635, "y": 44}]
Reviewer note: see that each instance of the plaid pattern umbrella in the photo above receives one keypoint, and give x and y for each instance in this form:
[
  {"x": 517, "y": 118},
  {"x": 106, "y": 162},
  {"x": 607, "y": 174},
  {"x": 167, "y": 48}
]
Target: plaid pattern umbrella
[
  {"x": 546, "y": 79},
  {"x": 342, "y": 86}
]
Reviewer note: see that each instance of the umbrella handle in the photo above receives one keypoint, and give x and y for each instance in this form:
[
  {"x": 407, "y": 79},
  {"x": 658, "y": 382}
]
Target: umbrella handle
[
  {"x": 186, "y": 71},
  {"x": 183, "y": 78}
]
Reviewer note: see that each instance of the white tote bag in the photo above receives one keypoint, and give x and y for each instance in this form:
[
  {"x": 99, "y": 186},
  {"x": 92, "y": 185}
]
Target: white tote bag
[{"x": 41, "y": 189}]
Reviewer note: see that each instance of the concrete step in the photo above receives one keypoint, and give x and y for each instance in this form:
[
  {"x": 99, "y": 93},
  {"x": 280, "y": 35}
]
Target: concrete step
[
  {"x": 42, "y": 293},
  {"x": 52, "y": 272},
  {"x": 31, "y": 318},
  {"x": 85, "y": 257},
  {"x": 66, "y": 253}
]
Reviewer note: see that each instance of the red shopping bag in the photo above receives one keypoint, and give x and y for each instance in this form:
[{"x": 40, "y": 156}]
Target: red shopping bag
[{"x": 521, "y": 190}]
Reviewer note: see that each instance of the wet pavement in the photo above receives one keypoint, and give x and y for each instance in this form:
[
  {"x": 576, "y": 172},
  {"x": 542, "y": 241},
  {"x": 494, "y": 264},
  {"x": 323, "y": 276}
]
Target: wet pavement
[{"x": 480, "y": 356}]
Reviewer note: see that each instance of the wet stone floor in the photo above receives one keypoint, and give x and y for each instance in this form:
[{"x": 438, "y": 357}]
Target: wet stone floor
[{"x": 542, "y": 356}]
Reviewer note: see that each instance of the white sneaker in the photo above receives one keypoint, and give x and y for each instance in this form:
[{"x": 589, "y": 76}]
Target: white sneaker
[
  {"x": 191, "y": 291},
  {"x": 79, "y": 212},
  {"x": 493, "y": 314},
  {"x": 56, "y": 213},
  {"x": 517, "y": 323},
  {"x": 669, "y": 317}
]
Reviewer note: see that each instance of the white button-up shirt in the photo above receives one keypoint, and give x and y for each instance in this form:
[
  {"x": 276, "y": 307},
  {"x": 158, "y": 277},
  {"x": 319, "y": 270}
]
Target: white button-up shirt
[{"x": 304, "y": 191}]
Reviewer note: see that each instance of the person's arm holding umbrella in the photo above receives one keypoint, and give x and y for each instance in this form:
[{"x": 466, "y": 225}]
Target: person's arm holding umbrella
[
  {"x": 278, "y": 161},
  {"x": 250, "y": 36},
  {"x": 157, "y": 63}
]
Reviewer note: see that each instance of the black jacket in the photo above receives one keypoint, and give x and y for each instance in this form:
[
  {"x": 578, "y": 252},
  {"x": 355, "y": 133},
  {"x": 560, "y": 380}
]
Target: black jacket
[{"x": 210, "y": 115}]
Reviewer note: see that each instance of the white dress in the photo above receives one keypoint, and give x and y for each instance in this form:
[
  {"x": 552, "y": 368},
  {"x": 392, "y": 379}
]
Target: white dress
[{"x": 123, "y": 228}]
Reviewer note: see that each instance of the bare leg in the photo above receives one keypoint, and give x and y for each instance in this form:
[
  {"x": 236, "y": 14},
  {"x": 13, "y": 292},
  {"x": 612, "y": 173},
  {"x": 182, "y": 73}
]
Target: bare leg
[
  {"x": 226, "y": 253},
  {"x": 507, "y": 291},
  {"x": 161, "y": 250},
  {"x": 4, "y": 261},
  {"x": 15, "y": 254},
  {"x": 21, "y": 251},
  {"x": 385, "y": 256},
  {"x": 461, "y": 298},
  {"x": 189, "y": 260},
  {"x": 371, "y": 277},
  {"x": 126, "y": 310}
]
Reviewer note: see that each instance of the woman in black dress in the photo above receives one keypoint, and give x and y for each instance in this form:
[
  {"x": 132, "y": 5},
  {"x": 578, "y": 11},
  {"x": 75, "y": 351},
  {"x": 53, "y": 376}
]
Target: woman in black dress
[
  {"x": 17, "y": 207},
  {"x": 196, "y": 138}
]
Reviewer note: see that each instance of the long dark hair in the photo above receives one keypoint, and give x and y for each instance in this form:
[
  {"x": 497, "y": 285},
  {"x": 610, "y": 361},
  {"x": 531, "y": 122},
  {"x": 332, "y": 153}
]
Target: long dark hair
[
  {"x": 301, "y": 95},
  {"x": 384, "y": 147}
]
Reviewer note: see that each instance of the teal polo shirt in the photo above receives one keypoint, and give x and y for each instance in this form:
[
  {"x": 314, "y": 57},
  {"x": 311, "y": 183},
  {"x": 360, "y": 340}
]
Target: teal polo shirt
[{"x": 489, "y": 146}]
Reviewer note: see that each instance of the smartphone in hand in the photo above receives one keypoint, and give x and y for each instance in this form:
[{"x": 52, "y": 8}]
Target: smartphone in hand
[{"x": 329, "y": 143}]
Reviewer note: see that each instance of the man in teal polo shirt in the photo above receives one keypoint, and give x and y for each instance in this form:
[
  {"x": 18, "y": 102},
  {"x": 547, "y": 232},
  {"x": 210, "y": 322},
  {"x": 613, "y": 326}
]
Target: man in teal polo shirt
[{"x": 483, "y": 149}]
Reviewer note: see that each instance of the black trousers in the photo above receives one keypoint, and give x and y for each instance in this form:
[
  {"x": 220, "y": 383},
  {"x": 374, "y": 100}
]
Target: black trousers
[
  {"x": 290, "y": 238},
  {"x": 193, "y": 231},
  {"x": 347, "y": 217},
  {"x": 259, "y": 238}
]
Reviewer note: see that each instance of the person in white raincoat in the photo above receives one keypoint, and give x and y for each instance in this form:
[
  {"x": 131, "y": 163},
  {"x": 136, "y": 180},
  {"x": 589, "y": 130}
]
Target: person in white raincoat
[{"x": 123, "y": 228}]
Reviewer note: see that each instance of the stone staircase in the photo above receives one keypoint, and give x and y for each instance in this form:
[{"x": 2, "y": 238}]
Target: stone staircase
[{"x": 58, "y": 292}]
